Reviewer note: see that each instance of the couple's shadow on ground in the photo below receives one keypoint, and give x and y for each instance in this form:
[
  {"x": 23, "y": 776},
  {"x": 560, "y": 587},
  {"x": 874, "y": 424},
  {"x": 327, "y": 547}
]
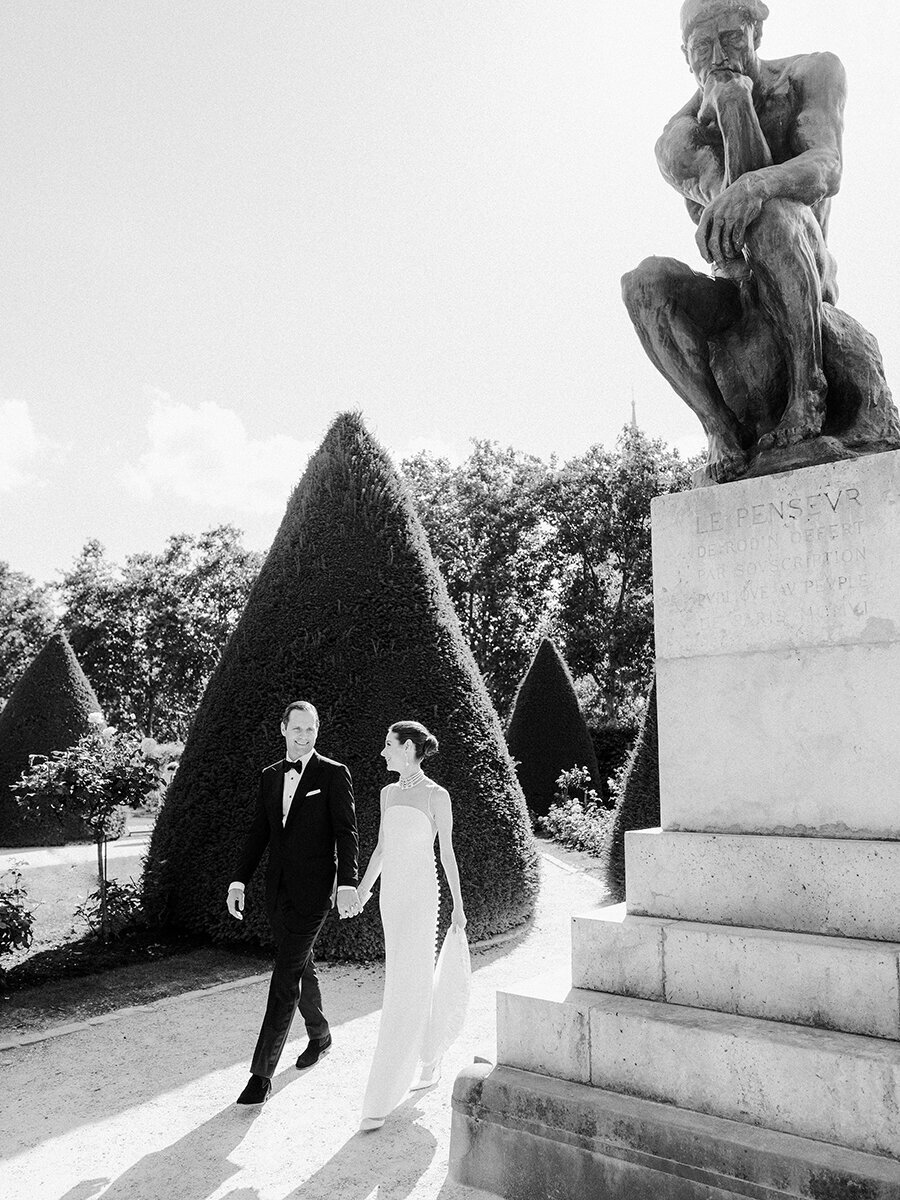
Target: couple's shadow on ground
[{"x": 392, "y": 1159}]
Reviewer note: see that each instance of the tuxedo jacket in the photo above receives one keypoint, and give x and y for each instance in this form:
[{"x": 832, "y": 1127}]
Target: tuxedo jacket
[{"x": 318, "y": 841}]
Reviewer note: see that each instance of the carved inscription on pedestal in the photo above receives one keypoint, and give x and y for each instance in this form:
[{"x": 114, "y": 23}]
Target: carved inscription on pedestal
[{"x": 806, "y": 558}]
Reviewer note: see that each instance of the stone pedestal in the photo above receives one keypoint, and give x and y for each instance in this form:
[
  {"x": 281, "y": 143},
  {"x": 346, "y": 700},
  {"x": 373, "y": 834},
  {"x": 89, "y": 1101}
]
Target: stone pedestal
[{"x": 733, "y": 1029}]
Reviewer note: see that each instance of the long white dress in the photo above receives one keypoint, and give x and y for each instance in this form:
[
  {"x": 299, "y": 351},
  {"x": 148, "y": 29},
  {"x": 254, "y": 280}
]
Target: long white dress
[{"x": 409, "y": 904}]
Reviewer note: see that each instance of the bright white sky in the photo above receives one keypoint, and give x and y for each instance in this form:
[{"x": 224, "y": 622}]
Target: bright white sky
[{"x": 223, "y": 222}]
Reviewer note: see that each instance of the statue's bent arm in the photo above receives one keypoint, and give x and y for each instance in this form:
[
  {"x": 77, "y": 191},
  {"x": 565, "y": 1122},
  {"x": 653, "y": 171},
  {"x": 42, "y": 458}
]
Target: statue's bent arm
[{"x": 691, "y": 156}]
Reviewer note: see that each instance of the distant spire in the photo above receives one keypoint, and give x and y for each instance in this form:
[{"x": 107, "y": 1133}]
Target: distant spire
[{"x": 633, "y": 411}]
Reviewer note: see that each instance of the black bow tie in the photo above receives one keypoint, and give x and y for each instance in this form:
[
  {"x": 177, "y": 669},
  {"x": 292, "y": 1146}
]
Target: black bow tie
[{"x": 293, "y": 766}]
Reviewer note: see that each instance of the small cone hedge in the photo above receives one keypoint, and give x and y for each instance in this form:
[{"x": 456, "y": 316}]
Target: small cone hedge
[
  {"x": 547, "y": 732},
  {"x": 47, "y": 710},
  {"x": 638, "y": 804},
  {"x": 349, "y": 611}
]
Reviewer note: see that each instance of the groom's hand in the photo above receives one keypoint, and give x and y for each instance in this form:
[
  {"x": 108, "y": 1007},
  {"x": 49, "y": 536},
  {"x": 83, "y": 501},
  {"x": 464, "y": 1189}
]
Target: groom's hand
[
  {"x": 236, "y": 902},
  {"x": 348, "y": 904}
]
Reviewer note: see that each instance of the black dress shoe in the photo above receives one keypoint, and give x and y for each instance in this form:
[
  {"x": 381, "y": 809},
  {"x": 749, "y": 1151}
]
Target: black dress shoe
[
  {"x": 256, "y": 1092},
  {"x": 314, "y": 1051}
]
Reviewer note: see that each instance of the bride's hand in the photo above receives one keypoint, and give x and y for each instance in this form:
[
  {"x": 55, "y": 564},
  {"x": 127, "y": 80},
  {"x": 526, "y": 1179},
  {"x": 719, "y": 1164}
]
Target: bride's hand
[{"x": 459, "y": 917}]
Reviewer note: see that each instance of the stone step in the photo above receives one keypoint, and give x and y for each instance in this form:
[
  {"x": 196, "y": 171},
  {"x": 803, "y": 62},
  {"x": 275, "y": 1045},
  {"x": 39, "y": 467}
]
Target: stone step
[
  {"x": 522, "y": 1135},
  {"x": 841, "y": 887},
  {"x": 839, "y": 1088},
  {"x": 845, "y": 984}
]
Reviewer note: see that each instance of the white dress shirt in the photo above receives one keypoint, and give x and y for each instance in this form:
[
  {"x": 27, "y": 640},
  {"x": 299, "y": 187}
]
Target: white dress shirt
[{"x": 290, "y": 785}]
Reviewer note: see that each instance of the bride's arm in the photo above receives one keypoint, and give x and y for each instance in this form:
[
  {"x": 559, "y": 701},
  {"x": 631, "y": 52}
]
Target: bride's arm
[
  {"x": 373, "y": 870},
  {"x": 443, "y": 817}
]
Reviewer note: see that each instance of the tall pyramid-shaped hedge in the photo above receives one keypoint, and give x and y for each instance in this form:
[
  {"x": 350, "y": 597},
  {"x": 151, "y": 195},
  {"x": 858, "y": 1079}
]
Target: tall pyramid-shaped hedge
[
  {"x": 637, "y": 806},
  {"x": 349, "y": 611},
  {"x": 547, "y": 732},
  {"x": 48, "y": 710}
]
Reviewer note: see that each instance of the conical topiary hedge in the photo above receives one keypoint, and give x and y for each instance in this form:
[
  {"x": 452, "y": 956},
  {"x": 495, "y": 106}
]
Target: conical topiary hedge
[
  {"x": 48, "y": 710},
  {"x": 547, "y": 732},
  {"x": 637, "y": 806},
  {"x": 350, "y": 612}
]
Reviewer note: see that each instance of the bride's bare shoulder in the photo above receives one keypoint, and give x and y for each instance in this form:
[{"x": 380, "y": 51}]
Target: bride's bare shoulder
[{"x": 440, "y": 797}]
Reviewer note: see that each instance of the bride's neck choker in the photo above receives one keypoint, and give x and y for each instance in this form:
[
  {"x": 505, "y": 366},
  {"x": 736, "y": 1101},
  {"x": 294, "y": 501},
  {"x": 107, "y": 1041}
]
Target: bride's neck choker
[{"x": 411, "y": 781}]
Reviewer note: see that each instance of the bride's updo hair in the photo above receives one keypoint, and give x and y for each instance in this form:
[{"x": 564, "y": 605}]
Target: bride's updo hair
[{"x": 425, "y": 743}]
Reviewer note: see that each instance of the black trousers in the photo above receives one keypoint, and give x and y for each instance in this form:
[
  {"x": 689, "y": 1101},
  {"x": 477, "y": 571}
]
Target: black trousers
[{"x": 294, "y": 985}]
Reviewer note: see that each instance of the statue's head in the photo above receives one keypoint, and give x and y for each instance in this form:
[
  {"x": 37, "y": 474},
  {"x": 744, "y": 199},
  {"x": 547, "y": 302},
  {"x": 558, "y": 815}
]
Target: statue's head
[{"x": 721, "y": 31}]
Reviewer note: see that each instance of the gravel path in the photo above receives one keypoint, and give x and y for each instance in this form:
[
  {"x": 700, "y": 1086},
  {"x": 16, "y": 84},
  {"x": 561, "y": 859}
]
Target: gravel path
[{"x": 138, "y": 1105}]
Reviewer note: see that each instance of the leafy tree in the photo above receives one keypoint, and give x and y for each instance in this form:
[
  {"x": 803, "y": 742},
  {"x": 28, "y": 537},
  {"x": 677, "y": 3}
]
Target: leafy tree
[
  {"x": 350, "y": 612},
  {"x": 151, "y": 632},
  {"x": 486, "y": 530},
  {"x": 599, "y": 504},
  {"x": 49, "y": 709},
  {"x": 26, "y": 621},
  {"x": 16, "y": 918},
  {"x": 95, "y": 780},
  {"x": 547, "y": 734}
]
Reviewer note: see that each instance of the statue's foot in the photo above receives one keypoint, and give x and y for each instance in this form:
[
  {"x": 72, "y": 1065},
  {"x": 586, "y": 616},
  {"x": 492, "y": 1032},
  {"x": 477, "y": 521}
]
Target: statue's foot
[
  {"x": 788, "y": 435},
  {"x": 796, "y": 426},
  {"x": 726, "y": 461}
]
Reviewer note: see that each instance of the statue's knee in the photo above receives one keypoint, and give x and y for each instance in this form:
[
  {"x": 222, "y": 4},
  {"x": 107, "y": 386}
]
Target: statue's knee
[
  {"x": 646, "y": 283},
  {"x": 778, "y": 227}
]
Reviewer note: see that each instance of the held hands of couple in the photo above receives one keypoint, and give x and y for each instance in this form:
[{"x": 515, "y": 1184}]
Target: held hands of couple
[{"x": 348, "y": 902}]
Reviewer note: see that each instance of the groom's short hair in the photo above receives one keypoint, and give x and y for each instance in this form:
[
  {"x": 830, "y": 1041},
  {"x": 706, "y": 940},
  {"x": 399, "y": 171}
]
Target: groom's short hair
[{"x": 302, "y": 706}]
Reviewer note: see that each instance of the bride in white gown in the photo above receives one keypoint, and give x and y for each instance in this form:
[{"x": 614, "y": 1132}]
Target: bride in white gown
[{"x": 413, "y": 811}]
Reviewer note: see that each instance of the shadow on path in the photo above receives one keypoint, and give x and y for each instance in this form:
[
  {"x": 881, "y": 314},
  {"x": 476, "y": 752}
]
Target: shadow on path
[
  {"x": 86, "y": 1190},
  {"x": 190, "y": 1169},
  {"x": 392, "y": 1159},
  {"x": 101, "y": 1071}
]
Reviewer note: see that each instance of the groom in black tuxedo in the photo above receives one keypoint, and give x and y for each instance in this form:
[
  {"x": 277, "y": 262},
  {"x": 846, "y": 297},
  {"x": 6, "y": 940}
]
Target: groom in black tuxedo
[{"x": 305, "y": 815}]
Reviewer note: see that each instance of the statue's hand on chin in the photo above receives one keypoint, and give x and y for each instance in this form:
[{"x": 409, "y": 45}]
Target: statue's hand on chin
[{"x": 723, "y": 88}]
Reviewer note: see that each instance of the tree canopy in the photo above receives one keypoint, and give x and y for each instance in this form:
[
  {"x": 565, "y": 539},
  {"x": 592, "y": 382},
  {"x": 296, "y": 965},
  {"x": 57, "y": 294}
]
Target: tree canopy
[
  {"x": 26, "y": 621},
  {"x": 485, "y": 525},
  {"x": 349, "y": 611},
  {"x": 150, "y": 632},
  {"x": 599, "y": 507},
  {"x": 531, "y": 549}
]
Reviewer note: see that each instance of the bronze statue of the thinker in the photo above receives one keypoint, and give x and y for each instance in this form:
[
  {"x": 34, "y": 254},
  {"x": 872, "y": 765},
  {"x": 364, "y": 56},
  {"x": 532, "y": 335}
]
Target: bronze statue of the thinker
[{"x": 778, "y": 376}]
